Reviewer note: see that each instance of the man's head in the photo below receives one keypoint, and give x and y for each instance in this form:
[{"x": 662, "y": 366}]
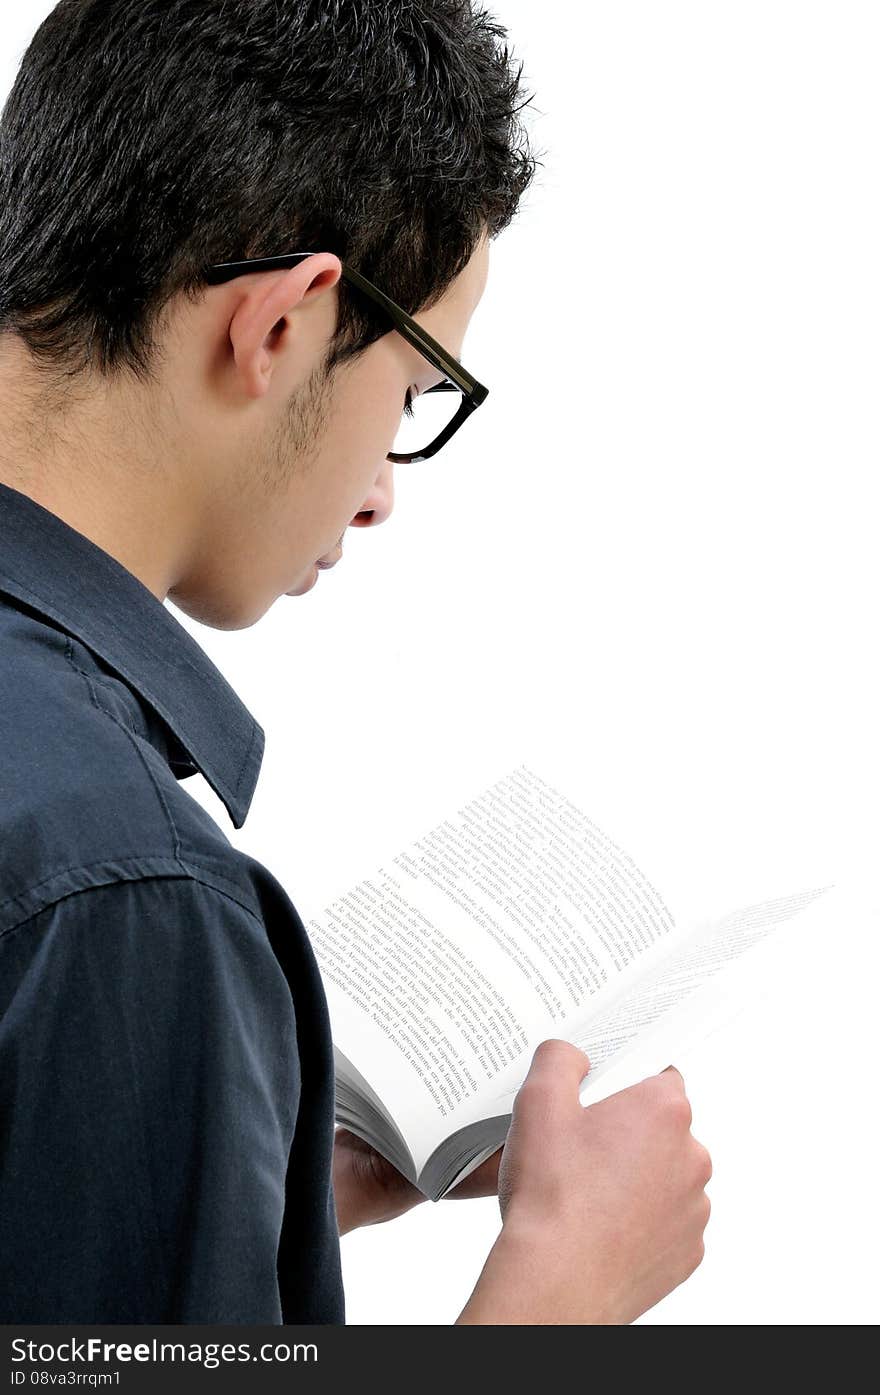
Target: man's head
[{"x": 146, "y": 139}]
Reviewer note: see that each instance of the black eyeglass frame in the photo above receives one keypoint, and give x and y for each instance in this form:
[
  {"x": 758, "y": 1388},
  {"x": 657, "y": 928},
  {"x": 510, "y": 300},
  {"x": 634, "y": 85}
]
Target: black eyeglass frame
[{"x": 458, "y": 378}]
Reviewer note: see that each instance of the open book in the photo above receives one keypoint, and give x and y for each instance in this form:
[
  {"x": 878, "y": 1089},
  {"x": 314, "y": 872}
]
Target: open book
[{"x": 514, "y": 920}]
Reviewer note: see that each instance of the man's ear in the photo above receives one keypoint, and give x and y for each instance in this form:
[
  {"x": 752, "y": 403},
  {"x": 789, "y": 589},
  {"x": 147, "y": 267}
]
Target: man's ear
[{"x": 267, "y": 299}]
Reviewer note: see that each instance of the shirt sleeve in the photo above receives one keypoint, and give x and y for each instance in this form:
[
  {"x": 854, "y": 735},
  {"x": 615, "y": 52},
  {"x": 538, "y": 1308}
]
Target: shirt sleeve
[{"x": 149, "y": 1084}]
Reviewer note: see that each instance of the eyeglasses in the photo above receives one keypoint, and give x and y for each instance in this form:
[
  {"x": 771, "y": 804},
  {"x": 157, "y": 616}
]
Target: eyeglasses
[{"x": 435, "y": 414}]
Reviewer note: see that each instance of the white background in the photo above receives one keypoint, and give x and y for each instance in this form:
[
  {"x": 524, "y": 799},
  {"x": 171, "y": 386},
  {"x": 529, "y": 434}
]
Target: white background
[{"x": 655, "y": 545}]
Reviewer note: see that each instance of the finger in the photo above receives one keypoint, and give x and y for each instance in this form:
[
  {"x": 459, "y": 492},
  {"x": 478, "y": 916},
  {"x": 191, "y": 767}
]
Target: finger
[
  {"x": 676, "y": 1074},
  {"x": 553, "y": 1080},
  {"x": 559, "y": 1062}
]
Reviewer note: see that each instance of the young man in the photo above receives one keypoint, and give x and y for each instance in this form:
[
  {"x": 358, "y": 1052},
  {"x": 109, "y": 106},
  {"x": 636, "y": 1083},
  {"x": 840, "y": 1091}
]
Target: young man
[{"x": 207, "y": 436}]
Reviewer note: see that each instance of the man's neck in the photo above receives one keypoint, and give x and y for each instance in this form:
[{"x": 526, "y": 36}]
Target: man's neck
[{"x": 82, "y": 468}]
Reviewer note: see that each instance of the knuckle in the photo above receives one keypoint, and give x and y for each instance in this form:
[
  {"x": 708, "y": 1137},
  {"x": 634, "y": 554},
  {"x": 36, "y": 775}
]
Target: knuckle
[
  {"x": 704, "y": 1165},
  {"x": 668, "y": 1088},
  {"x": 678, "y": 1109},
  {"x": 528, "y": 1094},
  {"x": 697, "y": 1256},
  {"x": 657, "y": 1090},
  {"x": 533, "y": 1086},
  {"x": 532, "y": 1105}
]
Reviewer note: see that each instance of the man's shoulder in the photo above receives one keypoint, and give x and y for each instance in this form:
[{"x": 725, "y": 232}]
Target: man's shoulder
[{"x": 87, "y": 801}]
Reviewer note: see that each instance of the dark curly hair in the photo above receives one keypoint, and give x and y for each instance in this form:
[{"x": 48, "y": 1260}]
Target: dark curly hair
[{"x": 143, "y": 139}]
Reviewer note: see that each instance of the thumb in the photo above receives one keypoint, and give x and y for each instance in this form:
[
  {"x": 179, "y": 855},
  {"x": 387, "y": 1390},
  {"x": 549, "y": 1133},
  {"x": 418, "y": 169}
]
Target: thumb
[{"x": 553, "y": 1080}]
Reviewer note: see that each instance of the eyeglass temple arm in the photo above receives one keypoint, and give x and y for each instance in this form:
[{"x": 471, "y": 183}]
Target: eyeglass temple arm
[
  {"x": 420, "y": 338},
  {"x": 433, "y": 351}
]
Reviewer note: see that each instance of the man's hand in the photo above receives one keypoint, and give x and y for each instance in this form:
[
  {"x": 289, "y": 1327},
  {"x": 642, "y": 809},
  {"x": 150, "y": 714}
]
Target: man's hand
[
  {"x": 603, "y": 1207},
  {"x": 369, "y": 1189}
]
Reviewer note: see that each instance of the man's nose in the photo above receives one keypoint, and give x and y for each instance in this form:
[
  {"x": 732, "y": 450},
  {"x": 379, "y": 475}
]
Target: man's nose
[{"x": 379, "y": 502}]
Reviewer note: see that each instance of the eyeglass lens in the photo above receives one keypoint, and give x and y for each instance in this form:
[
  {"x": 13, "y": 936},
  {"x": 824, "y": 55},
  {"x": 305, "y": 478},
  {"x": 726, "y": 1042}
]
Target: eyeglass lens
[{"x": 429, "y": 414}]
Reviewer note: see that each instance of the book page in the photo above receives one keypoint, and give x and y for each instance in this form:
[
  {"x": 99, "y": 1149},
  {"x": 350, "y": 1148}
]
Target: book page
[
  {"x": 686, "y": 996},
  {"x": 495, "y": 929},
  {"x": 700, "y": 957}
]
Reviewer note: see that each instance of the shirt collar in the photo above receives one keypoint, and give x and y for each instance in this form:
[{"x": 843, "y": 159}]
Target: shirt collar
[{"x": 63, "y": 575}]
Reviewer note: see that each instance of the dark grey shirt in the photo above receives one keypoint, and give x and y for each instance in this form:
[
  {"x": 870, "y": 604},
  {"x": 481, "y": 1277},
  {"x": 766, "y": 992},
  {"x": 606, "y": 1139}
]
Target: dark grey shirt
[{"x": 166, "y": 1068}]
